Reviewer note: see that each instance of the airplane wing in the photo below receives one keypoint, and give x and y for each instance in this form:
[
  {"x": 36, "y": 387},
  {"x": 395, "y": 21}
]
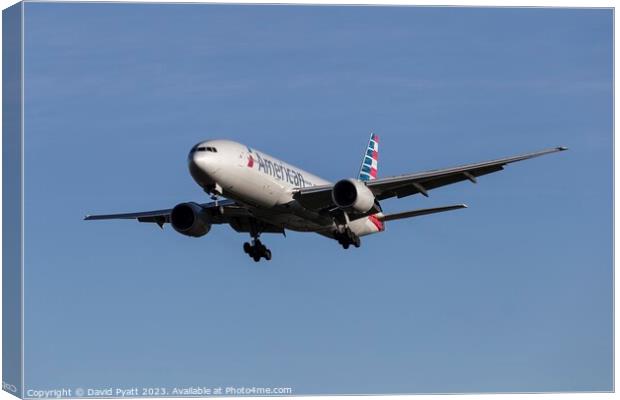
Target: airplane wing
[
  {"x": 145, "y": 216},
  {"x": 319, "y": 197},
  {"x": 221, "y": 211}
]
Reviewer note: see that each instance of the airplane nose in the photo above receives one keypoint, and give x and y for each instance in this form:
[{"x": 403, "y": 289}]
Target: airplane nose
[
  {"x": 193, "y": 157},
  {"x": 197, "y": 160},
  {"x": 201, "y": 165}
]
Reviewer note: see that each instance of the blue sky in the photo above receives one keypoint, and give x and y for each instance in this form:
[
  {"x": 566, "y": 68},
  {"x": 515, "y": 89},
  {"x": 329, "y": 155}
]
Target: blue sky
[{"x": 511, "y": 294}]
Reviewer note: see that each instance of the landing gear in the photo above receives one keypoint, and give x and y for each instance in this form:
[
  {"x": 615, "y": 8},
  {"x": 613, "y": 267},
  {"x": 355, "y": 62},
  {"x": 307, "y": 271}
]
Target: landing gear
[
  {"x": 347, "y": 238},
  {"x": 257, "y": 250},
  {"x": 214, "y": 190}
]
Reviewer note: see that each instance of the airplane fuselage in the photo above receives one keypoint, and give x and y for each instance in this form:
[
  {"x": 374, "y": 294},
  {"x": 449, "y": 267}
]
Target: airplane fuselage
[{"x": 265, "y": 184}]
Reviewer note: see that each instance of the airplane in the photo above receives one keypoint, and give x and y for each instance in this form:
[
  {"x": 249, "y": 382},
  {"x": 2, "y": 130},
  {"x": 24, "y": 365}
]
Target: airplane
[{"x": 265, "y": 195}]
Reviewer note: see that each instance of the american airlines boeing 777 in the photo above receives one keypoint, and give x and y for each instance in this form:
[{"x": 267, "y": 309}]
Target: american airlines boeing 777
[{"x": 266, "y": 195}]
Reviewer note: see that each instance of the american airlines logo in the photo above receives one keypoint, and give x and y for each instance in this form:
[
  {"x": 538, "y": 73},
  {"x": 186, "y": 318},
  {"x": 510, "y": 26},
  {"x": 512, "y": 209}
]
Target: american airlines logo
[{"x": 277, "y": 170}]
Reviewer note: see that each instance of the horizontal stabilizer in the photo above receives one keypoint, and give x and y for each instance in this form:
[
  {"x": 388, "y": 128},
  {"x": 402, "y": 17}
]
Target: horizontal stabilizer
[{"x": 417, "y": 213}]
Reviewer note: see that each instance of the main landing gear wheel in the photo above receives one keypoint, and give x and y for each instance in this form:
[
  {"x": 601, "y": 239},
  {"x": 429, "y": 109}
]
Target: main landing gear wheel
[
  {"x": 347, "y": 238},
  {"x": 257, "y": 250}
]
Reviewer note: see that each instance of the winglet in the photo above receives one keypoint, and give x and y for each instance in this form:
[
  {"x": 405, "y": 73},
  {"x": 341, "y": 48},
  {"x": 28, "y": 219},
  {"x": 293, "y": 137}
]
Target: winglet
[{"x": 561, "y": 148}]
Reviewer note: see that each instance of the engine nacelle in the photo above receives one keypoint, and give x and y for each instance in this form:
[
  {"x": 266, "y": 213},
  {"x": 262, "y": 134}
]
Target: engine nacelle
[
  {"x": 353, "y": 194},
  {"x": 190, "y": 219}
]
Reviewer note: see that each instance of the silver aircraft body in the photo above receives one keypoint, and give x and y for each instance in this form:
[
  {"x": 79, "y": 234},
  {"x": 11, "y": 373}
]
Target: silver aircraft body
[{"x": 262, "y": 194}]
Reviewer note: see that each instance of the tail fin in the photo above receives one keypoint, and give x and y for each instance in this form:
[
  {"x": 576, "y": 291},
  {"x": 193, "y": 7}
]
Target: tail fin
[{"x": 370, "y": 161}]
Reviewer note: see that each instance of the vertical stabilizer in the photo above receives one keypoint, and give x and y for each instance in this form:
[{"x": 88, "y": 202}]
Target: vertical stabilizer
[{"x": 370, "y": 161}]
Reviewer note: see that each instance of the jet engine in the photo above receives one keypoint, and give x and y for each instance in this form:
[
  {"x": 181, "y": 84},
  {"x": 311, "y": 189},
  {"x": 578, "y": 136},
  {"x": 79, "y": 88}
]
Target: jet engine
[
  {"x": 190, "y": 219},
  {"x": 353, "y": 194}
]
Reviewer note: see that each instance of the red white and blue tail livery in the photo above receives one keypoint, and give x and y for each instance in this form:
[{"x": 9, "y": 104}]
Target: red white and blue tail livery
[
  {"x": 370, "y": 161},
  {"x": 266, "y": 195}
]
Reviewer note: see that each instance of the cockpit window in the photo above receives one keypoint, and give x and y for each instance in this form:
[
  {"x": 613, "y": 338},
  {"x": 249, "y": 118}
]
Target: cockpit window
[{"x": 203, "y": 148}]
